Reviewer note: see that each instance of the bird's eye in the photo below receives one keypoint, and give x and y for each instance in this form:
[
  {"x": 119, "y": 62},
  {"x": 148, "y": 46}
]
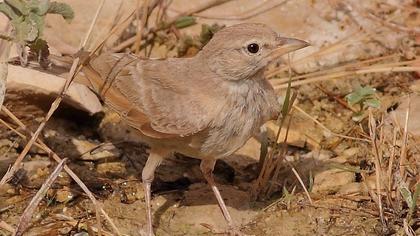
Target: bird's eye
[{"x": 253, "y": 48}]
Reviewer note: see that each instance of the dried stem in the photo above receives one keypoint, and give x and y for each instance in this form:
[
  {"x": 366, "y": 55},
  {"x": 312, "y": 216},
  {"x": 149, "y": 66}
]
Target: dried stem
[
  {"x": 348, "y": 73},
  {"x": 325, "y": 128},
  {"x": 52, "y": 154},
  {"x": 128, "y": 42},
  {"x": 403, "y": 157},
  {"x": 391, "y": 159},
  {"x": 377, "y": 161},
  {"x": 141, "y": 21},
  {"x": 334, "y": 47},
  {"x": 344, "y": 67},
  {"x": 263, "y": 7},
  {"x": 303, "y": 185},
  {"x": 26, "y": 217},
  {"x": 75, "y": 68}
]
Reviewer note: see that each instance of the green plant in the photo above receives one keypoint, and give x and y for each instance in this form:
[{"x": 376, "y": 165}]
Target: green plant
[
  {"x": 409, "y": 198},
  {"x": 364, "y": 97},
  {"x": 27, "y": 19}
]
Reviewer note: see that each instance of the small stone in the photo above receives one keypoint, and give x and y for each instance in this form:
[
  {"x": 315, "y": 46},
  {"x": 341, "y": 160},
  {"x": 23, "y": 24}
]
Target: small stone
[
  {"x": 64, "y": 195},
  {"x": 371, "y": 181},
  {"x": 131, "y": 191},
  {"x": 11, "y": 191},
  {"x": 116, "y": 168},
  {"x": 23, "y": 80},
  {"x": 330, "y": 181},
  {"x": 400, "y": 113},
  {"x": 319, "y": 155},
  {"x": 352, "y": 188},
  {"x": 91, "y": 151},
  {"x": 351, "y": 152},
  {"x": 36, "y": 168}
]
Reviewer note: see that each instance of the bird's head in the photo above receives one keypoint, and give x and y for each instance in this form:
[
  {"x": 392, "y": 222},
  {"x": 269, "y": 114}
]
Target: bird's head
[{"x": 240, "y": 51}]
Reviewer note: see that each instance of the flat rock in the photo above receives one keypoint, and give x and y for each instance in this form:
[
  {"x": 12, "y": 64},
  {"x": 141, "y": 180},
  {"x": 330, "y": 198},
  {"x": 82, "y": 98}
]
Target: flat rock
[
  {"x": 330, "y": 181},
  {"x": 301, "y": 134},
  {"x": 400, "y": 113},
  {"x": 32, "y": 82},
  {"x": 352, "y": 188},
  {"x": 93, "y": 151}
]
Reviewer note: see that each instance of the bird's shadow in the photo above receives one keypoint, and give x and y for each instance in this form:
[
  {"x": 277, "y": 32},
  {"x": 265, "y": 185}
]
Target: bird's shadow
[{"x": 178, "y": 173}]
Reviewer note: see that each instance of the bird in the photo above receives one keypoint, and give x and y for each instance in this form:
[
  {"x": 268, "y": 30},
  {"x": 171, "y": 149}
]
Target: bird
[{"x": 206, "y": 106}]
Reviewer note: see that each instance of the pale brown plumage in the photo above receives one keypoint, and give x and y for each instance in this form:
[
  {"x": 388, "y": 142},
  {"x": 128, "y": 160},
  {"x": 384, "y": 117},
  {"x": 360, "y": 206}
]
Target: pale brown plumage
[{"x": 206, "y": 107}]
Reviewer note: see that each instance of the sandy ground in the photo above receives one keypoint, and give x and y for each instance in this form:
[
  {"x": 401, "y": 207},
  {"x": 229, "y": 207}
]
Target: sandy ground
[{"x": 182, "y": 202}]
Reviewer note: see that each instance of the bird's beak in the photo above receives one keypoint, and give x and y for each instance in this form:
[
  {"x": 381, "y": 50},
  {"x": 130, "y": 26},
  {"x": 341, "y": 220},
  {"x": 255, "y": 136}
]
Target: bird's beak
[{"x": 286, "y": 45}]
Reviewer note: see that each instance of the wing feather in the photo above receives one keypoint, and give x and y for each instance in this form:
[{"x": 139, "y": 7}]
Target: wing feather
[{"x": 148, "y": 95}]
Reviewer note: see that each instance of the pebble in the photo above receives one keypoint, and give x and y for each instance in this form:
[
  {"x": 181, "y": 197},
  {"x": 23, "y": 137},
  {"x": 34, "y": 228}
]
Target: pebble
[{"x": 330, "y": 181}]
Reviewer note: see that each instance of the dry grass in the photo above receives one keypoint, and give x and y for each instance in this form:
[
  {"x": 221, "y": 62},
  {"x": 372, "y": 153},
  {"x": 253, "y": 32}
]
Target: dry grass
[
  {"x": 392, "y": 151},
  {"x": 397, "y": 184}
]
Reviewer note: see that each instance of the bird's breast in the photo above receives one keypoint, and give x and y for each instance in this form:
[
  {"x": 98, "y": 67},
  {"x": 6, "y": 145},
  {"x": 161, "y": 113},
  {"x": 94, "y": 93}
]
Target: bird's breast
[{"x": 246, "y": 107}]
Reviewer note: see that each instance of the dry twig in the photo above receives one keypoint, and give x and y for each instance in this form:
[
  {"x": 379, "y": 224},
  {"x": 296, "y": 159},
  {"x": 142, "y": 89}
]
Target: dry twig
[
  {"x": 377, "y": 161},
  {"x": 25, "y": 218},
  {"x": 73, "y": 71},
  {"x": 75, "y": 68},
  {"x": 52, "y": 154},
  {"x": 128, "y": 42}
]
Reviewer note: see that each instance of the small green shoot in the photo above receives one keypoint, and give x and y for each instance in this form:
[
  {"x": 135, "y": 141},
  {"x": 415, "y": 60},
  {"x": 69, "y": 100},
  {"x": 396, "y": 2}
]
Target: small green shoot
[
  {"x": 27, "y": 18},
  {"x": 311, "y": 181},
  {"x": 364, "y": 97},
  {"x": 288, "y": 197},
  {"x": 410, "y": 198},
  {"x": 185, "y": 21}
]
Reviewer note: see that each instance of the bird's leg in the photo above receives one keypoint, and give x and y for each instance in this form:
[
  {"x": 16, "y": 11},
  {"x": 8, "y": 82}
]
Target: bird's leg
[
  {"x": 207, "y": 167},
  {"x": 148, "y": 174}
]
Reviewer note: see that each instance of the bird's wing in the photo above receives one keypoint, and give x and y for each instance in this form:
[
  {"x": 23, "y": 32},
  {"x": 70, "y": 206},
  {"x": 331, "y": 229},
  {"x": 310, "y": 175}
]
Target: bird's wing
[{"x": 147, "y": 94}]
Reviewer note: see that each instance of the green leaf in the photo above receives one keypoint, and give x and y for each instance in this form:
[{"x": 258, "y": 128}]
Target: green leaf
[
  {"x": 286, "y": 103},
  {"x": 366, "y": 91},
  {"x": 358, "y": 116},
  {"x": 37, "y": 22},
  {"x": 39, "y": 45},
  {"x": 406, "y": 194},
  {"x": 19, "y": 5},
  {"x": 353, "y": 98},
  {"x": 41, "y": 51},
  {"x": 311, "y": 181},
  {"x": 416, "y": 196},
  {"x": 62, "y": 9},
  {"x": 207, "y": 32},
  {"x": 40, "y": 7},
  {"x": 184, "y": 21},
  {"x": 8, "y": 11},
  {"x": 359, "y": 95},
  {"x": 25, "y": 29},
  {"x": 263, "y": 149},
  {"x": 372, "y": 102},
  {"x": 412, "y": 207}
]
